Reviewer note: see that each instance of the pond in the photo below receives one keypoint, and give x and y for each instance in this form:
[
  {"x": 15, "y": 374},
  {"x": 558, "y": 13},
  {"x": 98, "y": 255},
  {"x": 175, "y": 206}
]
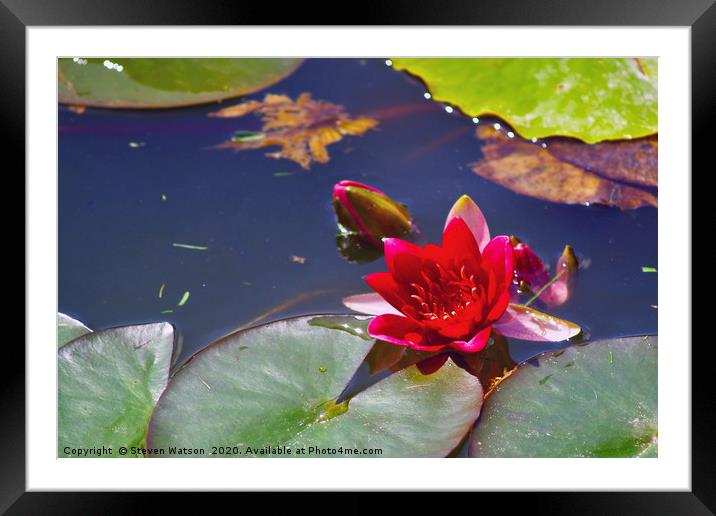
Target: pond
[{"x": 134, "y": 183}]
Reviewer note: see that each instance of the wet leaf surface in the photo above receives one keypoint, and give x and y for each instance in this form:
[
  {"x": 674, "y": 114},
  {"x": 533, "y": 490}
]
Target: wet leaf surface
[
  {"x": 109, "y": 382},
  {"x": 530, "y": 169},
  {"x": 278, "y": 384},
  {"x": 586, "y": 98},
  {"x": 163, "y": 83},
  {"x": 69, "y": 329},
  {"x": 629, "y": 161},
  {"x": 595, "y": 400},
  {"x": 302, "y": 129}
]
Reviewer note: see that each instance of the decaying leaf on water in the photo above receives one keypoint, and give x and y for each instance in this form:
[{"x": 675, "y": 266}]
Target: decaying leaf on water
[
  {"x": 302, "y": 129},
  {"x": 632, "y": 161},
  {"x": 530, "y": 169}
]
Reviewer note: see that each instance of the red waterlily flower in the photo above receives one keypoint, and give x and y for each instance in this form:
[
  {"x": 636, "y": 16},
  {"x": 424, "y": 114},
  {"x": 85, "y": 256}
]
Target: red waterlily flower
[{"x": 448, "y": 299}]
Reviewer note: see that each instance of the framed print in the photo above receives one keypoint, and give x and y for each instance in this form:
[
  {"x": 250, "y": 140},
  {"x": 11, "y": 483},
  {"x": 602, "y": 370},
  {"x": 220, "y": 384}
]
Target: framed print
[{"x": 432, "y": 245}]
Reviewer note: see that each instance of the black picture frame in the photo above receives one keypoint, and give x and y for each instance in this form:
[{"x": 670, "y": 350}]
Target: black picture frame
[{"x": 17, "y": 15}]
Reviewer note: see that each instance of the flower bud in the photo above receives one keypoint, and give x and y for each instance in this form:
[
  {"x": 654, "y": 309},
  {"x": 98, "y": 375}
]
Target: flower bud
[
  {"x": 529, "y": 268},
  {"x": 530, "y": 274},
  {"x": 369, "y": 214}
]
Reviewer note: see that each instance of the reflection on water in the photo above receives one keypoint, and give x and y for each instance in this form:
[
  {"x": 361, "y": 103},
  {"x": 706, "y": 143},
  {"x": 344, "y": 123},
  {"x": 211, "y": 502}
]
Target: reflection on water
[{"x": 244, "y": 219}]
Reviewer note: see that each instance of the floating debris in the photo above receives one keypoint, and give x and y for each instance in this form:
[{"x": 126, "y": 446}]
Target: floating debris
[
  {"x": 283, "y": 174},
  {"x": 297, "y": 259},
  {"x": 167, "y": 312},
  {"x": 164, "y": 197},
  {"x": 247, "y": 136},
  {"x": 611, "y": 358},
  {"x": 322, "y": 369},
  {"x": 136, "y": 145},
  {"x": 648, "y": 269},
  {"x": 161, "y": 291},
  {"x": 184, "y": 298},
  {"x": 190, "y": 246}
]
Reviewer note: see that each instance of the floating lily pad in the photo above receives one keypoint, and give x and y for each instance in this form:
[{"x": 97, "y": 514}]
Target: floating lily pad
[
  {"x": 69, "y": 329},
  {"x": 109, "y": 382},
  {"x": 161, "y": 83},
  {"x": 596, "y": 400},
  {"x": 587, "y": 98},
  {"x": 278, "y": 384}
]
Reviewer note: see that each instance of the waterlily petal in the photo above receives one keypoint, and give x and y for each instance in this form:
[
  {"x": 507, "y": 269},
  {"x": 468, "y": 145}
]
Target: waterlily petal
[
  {"x": 395, "y": 246},
  {"x": 467, "y": 210},
  {"x": 407, "y": 268},
  {"x": 401, "y": 331},
  {"x": 475, "y": 344},
  {"x": 521, "y": 322},
  {"x": 455, "y": 330},
  {"x": 370, "y": 303},
  {"x": 498, "y": 253},
  {"x": 458, "y": 240},
  {"x": 498, "y": 309},
  {"x": 384, "y": 284},
  {"x": 432, "y": 364}
]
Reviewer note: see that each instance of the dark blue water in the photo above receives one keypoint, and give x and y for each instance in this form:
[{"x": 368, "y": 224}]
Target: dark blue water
[{"x": 116, "y": 232}]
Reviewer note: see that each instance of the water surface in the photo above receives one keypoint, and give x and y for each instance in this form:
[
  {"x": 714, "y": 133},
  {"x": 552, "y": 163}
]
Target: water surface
[{"x": 116, "y": 231}]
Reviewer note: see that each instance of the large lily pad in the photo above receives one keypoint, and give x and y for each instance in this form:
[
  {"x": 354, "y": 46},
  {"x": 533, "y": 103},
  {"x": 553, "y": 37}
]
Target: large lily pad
[
  {"x": 69, "y": 329},
  {"x": 278, "y": 384},
  {"x": 109, "y": 382},
  {"x": 597, "y": 400},
  {"x": 587, "y": 98},
  {"x": 161, "y": 82}
]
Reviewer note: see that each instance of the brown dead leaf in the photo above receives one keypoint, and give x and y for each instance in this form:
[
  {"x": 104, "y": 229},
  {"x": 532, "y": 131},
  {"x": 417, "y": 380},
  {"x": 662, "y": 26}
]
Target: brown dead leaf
[
  {"x": 530, "y": 169},
  {"x": 630, "y": 161},
  {"x": 302, "y": 129}
]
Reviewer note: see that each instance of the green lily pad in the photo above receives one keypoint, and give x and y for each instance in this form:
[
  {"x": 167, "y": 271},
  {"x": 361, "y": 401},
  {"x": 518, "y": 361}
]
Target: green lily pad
[
  {"x": 587, "y": 98},
  {"x": 109, "y": 382},
  {"x": 69, "y": 329},
  {"x": 160, "y": 83},
  {"x": 278, "y": 385},
  {"x": 595, "y": 400}
]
